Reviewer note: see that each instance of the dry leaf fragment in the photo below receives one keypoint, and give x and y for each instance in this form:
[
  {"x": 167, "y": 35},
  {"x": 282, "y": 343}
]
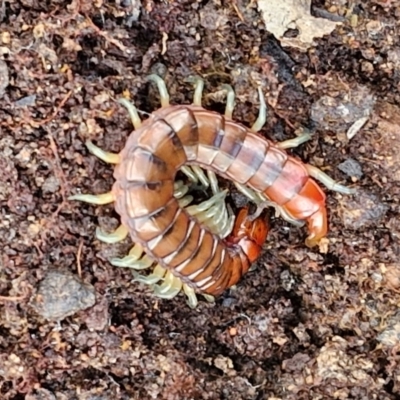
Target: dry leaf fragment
[{"x": 283, "y": 15}]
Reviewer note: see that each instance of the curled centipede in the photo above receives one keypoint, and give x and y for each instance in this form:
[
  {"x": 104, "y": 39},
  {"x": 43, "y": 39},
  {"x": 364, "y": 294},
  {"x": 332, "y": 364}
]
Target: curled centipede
[{"x": 191, "y": 245}]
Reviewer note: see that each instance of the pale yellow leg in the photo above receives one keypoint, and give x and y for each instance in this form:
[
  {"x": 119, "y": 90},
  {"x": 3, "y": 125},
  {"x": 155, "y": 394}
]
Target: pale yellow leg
[
  {"x": 330, "y": 183},
  {"x": 189, "y": 173},
  {"x": 164, "y": 96},
  {"x": 213, "y": 182},
  {"x": 105, "y": 156},
  {"x": 132, "y": 111},
  {"x": 201, "y": 175},
  {"x": 198, "y": 90},
  {"x": 134, "y": 254},
  {"x": 262, "y": 114},
  {"x": 209, "y": 298},
  {"x": 170, "y": 287},
  {"x": 117, "y": 236},
  {"x": 98, "y": 199},
  {"x": 297, "y": 141},
  {"x": 230, "y": 100},
  {"x": 180, "y": 189},
  {"x": 191, "y": 295},
  {"x": 128, "y": 262},
  {"x": 154, "y": 277}
]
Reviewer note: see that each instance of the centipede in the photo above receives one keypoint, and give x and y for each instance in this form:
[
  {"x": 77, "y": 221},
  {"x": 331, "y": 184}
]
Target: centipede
[{"x": 203, "y": 248}]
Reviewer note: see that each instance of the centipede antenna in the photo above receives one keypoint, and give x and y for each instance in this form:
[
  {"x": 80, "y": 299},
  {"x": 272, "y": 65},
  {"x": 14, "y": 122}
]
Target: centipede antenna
[
  {"x": 262, "y": 113},
  {"x": 291, "y": 143},
  {"x": 230, "y": 100},
  {"x": 189, "y": 173},
  {"x": 191, "y": 295},
  {"x": 105, "y": 156},
  {"x": 117, "y": 236},
  {"x": 98, "y": 199},
  {"x": 330, "y": 183},
  {"x": 132, "y": 111},
  {"x": 164, "y": 96},
  {"x": 198, "y": 90}
]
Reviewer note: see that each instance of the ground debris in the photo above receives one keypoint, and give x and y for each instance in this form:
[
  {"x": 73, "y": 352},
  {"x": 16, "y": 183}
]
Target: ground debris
[
  {"x": 281, "y": 16},
  {"x": 362, "y": 210},
  {"x": 61, "y": 294}
]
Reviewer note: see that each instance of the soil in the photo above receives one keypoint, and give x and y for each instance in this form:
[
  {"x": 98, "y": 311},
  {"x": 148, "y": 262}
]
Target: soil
[{"x": 320, "y": 323}]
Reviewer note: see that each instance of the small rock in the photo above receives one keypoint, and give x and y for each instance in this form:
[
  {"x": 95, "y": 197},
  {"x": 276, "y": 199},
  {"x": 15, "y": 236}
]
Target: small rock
[
  {"x": 364, "y": 210},
  {"x": 351, "y": 168},
  {"x": 26, "y": 101},
  {"x": 62, "y": 294},
  {"x": 51, "y": 185},
  {"x": 339, "y": 113},
  {"x": 390, "y": 336},
  {"x": 4, "y": 77}
]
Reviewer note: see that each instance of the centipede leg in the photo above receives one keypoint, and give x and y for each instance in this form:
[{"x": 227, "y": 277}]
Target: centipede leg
[
  {"x": 105, "y": 156},
  {"x": 230, "y": 100},
  {"x": 201, "y": 175},
  {"x": 132, "y": 111},
  {"x": 170, "y": 287},
  {"x": 330, "y": 183},
  {"x": 180, "y": 189},
  {"x": 134, "y": 254},
  {"x": 98, "y": 199},
  {"x": 189, "y": 173},
  {"x": 158, "y": 274},
  {"x": 191, "y": 295},
  {"x": 164, "y": 96},
  {"x": 262, "y": 114},
  {"x": 297, "y": 141},
  {"x": 198, "y": 90},
  {"x": 117, "y": 236}
]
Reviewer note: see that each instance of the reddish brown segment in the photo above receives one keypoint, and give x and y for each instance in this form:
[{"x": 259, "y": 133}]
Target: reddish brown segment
[{"x": 190, "y": 135}]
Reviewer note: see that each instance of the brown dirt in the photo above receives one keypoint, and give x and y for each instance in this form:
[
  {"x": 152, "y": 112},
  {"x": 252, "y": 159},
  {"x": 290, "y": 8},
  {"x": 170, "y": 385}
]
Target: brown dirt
[{"x": 305, "y": 324}]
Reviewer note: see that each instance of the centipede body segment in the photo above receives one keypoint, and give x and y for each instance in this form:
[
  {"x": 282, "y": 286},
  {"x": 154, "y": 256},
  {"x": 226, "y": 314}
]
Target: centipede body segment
[{"x": 187, "y": 251}]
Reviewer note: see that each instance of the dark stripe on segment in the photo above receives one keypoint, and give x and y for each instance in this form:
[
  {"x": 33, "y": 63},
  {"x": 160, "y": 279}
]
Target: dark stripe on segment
[
  {"x": 143, "y": 198},
  {"x": 172, "y": 239},
  {"x": 251, "y": 156},
  {"x": 161, "y": 140},
  {"x": 150, "y": 226},
  {"x": 213, "y": 264},
  {"x": 188, "y": 248},
  {"x": 201, "y": 257},
  {"x": 269, "y": 170},
  {"x": 182, "y": 120},
  {"x": 142, "y": 165},
  {"x": 220, "y": 134},
  {"x": 233, "y": 139}
]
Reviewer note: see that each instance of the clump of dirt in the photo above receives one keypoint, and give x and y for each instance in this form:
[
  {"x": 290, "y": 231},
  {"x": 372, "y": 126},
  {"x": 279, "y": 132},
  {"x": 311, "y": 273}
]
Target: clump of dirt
[{"x": 304, "y": 323}]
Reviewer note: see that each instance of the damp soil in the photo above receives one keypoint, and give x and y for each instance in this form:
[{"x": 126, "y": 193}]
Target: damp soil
[{"x": 305, "y": 323}]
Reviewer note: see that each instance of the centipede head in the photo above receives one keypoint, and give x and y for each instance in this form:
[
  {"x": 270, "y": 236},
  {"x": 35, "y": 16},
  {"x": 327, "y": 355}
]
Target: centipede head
[{"x": 250, "y": 234}]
